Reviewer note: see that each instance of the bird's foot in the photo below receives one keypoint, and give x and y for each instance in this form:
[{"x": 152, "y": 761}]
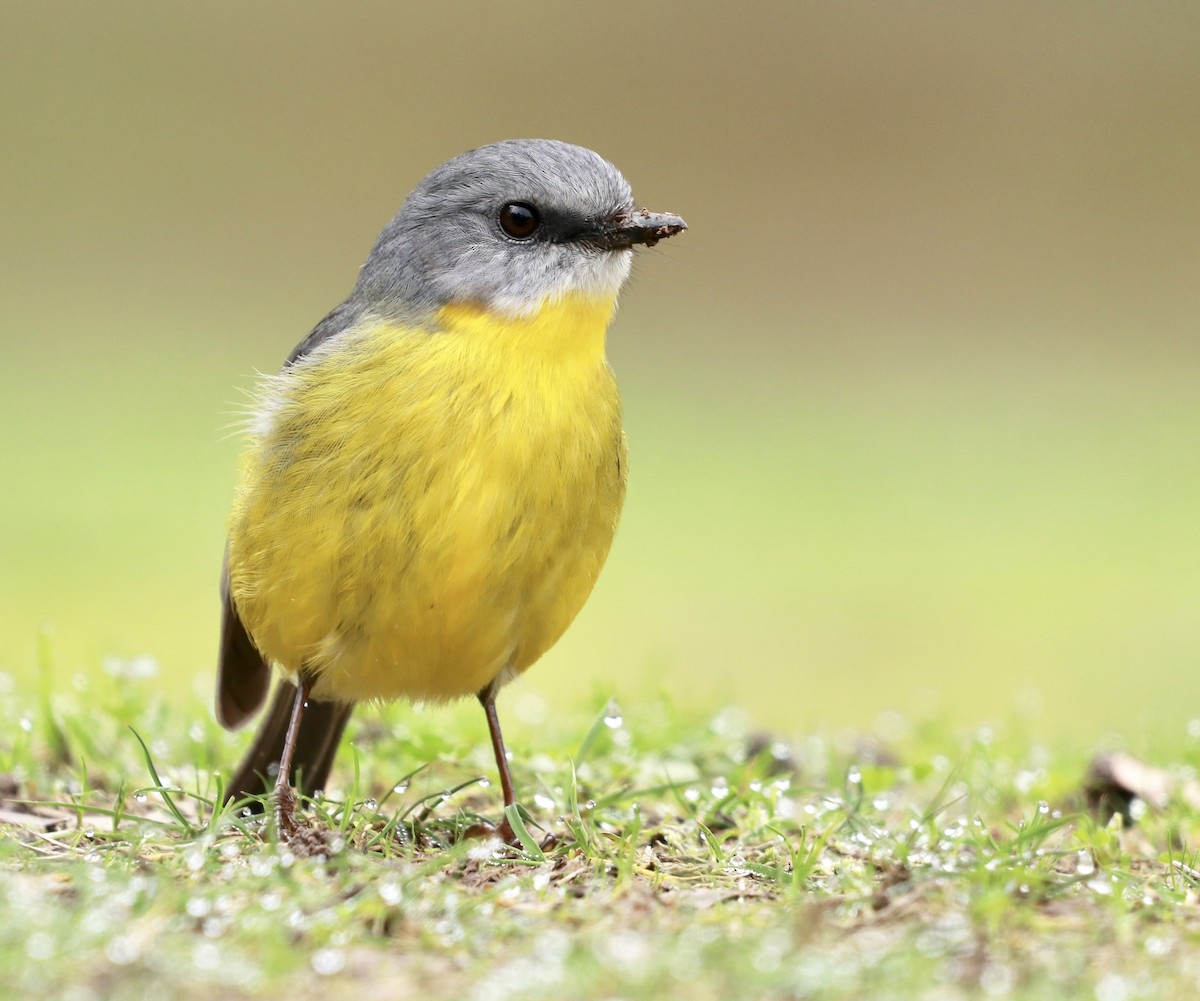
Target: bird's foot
[
  {"x": 484, "y": 831},
  {"x": 302, "y": 839},
  {"x": 503, "y": 831},
  {"x": 285, "y": 813}
]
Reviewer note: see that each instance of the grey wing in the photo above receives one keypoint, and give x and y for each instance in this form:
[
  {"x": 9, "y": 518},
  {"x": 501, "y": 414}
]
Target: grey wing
[
  {"x": 341, "y": 318},
  {"x": 243, "y": 674}
]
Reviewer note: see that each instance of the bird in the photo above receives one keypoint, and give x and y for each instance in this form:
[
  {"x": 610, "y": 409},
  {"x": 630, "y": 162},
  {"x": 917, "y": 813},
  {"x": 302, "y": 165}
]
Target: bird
[{"x": 431, "y": 483}]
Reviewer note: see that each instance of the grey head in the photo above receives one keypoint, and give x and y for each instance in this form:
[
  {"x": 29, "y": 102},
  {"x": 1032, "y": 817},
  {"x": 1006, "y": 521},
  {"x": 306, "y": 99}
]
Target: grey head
[{"x": 506, "y": 227}]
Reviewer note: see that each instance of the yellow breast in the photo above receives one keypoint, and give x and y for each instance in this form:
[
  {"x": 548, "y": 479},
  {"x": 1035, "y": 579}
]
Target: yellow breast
[{"x": 424, "y": 510}]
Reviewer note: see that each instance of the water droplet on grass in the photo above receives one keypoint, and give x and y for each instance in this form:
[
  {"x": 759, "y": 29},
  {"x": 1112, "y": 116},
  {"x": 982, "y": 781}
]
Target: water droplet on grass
[
  {"x": 122, "y": 950},
  {"x": 1158, "y": 946},
  {"x": 328, "y": 962},
  {"x": 207, "y": 956},
  {"x": 39, "y": 946},
  {"x": 262, "y": 865},
  {"x": 213, "y": 927},
  {"x": 735, "y": 865},
  {"x": 198, "y": 907}
]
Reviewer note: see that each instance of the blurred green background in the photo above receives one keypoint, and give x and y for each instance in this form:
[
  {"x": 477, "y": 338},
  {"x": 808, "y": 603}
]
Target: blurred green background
[{"x": 913, "y": 406}]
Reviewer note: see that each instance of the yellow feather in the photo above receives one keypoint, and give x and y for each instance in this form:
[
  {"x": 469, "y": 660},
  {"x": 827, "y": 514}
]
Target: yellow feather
[{"x": 423, "y": 510}]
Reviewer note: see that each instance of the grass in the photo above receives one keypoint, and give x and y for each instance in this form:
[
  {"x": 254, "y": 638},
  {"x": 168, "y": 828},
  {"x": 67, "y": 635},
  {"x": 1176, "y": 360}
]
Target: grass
[{"x": 697, "y": 858}]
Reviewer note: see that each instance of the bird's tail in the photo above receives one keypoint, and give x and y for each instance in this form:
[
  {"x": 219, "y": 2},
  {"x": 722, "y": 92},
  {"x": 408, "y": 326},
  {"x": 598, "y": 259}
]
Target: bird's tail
[{"x": 320, "y": 732}]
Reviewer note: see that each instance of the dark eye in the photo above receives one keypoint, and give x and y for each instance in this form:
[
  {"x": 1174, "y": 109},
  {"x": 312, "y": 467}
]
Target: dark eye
[{"x": 519, "y": 220}]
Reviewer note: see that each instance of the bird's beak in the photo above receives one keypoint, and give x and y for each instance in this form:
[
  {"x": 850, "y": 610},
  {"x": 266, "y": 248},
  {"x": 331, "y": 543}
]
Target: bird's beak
[{"x": 637, "y": 226}]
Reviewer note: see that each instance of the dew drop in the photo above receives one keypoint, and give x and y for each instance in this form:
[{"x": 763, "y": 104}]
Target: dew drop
[
  {"x": 39, "y": 946},
  {"x": 122, "y": 950},
  {"x": 198, "y": 907},
  {"x": 327, "y": 962}
]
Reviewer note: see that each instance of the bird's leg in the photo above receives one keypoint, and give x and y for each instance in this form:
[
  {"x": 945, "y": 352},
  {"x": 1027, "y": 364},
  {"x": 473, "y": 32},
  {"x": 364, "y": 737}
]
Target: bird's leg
[
  {"x": 285, "y": 797},
  {"x": 487, "y": 698}
]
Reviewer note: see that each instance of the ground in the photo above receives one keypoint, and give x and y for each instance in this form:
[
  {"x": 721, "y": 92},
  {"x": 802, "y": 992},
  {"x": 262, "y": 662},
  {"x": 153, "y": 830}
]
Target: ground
[{"x": 691, "y": 857}]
